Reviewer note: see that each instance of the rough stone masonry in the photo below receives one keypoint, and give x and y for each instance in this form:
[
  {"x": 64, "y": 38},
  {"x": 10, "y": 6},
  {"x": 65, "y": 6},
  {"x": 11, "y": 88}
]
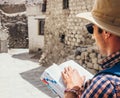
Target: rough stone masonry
[
  {"x": 13, "y": 17},
  {"x": 66, "y": 37}
]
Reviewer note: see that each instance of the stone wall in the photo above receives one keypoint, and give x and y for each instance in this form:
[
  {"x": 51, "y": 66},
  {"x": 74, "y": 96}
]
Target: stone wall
[
  {"x": 66, "y": 37},
  {"x": 77, "y": 35},
  {"x": 17, "y": 27},
  {"x": 55, "y": 27}
]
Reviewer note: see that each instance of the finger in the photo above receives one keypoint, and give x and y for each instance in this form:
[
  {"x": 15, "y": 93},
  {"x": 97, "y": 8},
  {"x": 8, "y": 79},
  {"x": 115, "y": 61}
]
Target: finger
[
  {"x": 66, "y": 69},
  {"x": 70, "y": 68},
  {"x": 75, "y": 70},
  {"x": 63, "y": 76}
]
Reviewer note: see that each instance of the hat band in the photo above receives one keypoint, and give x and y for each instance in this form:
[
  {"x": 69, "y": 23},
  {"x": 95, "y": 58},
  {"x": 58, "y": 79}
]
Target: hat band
[{"x": 107, "y": 19}]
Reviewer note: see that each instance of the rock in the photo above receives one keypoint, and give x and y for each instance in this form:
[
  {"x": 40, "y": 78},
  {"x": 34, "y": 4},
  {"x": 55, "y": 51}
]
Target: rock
[
  {"x": 96, "y": 67},
  {"x": 78, "y": 57},
  {"x": 92, "y": 55},
  {"x": 90, "y": 65}
]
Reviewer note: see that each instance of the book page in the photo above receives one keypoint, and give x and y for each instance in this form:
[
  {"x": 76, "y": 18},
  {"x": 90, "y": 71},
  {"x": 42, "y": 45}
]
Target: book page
[
  {"x": 82, "y": 71},
  {"x": 52, "y": 77},
  {"x": 54, "y": 71}
]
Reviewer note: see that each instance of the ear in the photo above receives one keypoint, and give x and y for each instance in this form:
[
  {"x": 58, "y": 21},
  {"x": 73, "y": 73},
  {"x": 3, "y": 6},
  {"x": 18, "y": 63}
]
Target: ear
[{"x": 106, "y": 34}]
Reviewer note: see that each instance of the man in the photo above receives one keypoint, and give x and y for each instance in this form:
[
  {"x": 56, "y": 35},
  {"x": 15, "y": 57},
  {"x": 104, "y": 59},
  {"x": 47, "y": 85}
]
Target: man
[{"x": 105, "y": 27}]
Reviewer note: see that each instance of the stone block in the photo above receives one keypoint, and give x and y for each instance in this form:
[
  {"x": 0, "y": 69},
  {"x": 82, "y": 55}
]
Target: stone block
[
  {"x": 94, "y": 60},
  {"x": 92, "y": 70},
  {"x": 78, "y": 40},
  {"x": 90, "y": 65},
  {"x": 92, "y": 55},
  {"x": 95, "y": 66},
  {"x": 74, "y": 39},
  {"x": 78, "y": 57}
]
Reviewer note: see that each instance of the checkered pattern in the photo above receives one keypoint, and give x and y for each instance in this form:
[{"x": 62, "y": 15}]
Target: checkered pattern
[
  {"x": 104, "y": 85},
  {"x": 110, "y": 60}
]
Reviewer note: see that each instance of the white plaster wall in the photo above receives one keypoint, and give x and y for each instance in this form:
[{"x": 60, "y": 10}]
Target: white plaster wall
[
  {"x": 3, "y": 46},
  {"x": 34, "y": 9},
  {"x": 35, "y": 41}
]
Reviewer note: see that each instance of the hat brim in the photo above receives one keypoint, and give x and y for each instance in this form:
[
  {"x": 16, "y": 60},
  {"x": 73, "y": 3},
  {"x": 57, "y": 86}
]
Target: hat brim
[{"x": 88, "y": 16}]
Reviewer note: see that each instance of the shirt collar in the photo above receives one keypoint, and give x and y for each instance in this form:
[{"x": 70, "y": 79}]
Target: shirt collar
[{"x": 110, "y": 60}]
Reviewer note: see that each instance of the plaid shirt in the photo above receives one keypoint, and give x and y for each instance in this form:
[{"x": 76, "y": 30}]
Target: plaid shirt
[{"x": 104, "y": 85}]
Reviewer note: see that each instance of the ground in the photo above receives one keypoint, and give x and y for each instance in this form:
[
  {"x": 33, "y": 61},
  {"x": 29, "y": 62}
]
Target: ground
[{"x": 20, "y": 76}]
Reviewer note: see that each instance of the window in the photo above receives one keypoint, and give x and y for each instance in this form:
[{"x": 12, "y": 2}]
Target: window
[
  {"x": 44, "y": 5},
  {"x": 65, "y": 4},
  {"x": 41, "y": 26}
]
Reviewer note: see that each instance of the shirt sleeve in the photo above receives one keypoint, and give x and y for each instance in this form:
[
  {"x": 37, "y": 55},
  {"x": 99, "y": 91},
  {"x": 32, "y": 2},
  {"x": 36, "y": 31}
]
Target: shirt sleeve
[{"x": 100, "y": 87}]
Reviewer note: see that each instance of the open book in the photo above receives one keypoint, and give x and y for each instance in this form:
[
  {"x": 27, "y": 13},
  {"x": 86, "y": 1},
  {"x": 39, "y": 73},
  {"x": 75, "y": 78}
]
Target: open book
[{"x": 52, "y": 76}]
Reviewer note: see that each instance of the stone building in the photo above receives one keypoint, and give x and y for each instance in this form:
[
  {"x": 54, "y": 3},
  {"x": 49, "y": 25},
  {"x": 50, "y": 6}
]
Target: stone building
[
  {"x": 36, "y": 19},
  {"x": 65, "y": 34}
]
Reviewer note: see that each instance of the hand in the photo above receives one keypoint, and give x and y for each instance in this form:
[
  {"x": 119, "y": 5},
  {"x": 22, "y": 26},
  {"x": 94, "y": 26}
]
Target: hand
[{"x": 71, "y": 78}]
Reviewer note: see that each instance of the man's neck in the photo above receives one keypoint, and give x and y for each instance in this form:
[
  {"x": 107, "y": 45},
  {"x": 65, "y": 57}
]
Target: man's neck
[
  {"x": 113, "y": 45},
  {"x": 112, "y": 51}
]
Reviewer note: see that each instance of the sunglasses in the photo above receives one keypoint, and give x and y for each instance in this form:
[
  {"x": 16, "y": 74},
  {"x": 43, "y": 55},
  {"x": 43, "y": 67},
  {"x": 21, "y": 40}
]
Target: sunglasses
[{"x": 90, "y": 28}]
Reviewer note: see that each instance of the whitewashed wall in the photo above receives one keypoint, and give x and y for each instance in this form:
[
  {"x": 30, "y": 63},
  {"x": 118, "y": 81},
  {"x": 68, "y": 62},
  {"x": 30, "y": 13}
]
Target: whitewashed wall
[{"x": 36, "y": 41}]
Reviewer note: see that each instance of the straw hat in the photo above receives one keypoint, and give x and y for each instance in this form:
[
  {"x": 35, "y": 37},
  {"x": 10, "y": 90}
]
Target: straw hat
[{"x": 105, "y": 14}]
